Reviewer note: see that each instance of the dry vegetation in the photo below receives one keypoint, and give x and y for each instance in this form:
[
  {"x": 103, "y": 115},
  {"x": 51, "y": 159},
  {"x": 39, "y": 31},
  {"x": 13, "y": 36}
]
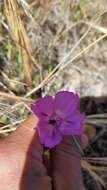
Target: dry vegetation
[{"x": 50, "y": 45}]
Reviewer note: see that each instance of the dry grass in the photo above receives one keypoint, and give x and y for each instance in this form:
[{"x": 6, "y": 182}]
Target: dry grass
[{"x": 52, "y": 45}]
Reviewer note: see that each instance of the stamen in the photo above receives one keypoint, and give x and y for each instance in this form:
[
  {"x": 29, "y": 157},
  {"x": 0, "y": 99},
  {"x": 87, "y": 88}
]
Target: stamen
[
  {"x": 52, "y": 122},
  {"x": 55, "y": 122}
]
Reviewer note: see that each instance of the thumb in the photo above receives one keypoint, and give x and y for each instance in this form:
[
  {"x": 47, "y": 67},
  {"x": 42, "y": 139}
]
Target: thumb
[
  {"x": 21, "y": 159},
  {"x": 66, "y": 168}
]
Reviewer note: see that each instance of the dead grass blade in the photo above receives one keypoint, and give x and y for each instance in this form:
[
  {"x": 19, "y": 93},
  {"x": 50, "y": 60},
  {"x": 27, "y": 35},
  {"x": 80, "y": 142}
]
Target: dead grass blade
[
  {"x": 99, "y": 168},
  {"x": 96, "y": 160},
  {"x": 9, "y": 128},
  {"x": 63, "y": 64},
  {"x": 89, "y": 168},
  {"x": 19, "y": 35},
  {"x": 15, "y": 98}
]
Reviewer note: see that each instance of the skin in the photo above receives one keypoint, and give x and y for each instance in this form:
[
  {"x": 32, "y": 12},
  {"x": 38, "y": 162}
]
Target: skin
[{"x": 23, "y": 167}]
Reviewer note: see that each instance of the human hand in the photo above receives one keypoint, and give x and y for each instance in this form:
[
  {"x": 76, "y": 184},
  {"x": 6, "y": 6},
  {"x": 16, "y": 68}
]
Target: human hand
[{"x": 22, "y": 166}]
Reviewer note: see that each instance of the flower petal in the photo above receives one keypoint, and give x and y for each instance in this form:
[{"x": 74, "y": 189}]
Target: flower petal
[
  {"x": 53, "y": 139},
  {"x": 43, "y": 108},
  {"x": 65, "y": 103},
  {"x": 76, "y": 117},
  {"x": 49, "y": 136},
  {"x": 43, "y": 130},
  {"x": 73, "y": 126}
]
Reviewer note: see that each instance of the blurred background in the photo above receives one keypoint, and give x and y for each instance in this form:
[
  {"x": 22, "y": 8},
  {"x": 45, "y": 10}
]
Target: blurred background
[{"x": 52, "y": 45}]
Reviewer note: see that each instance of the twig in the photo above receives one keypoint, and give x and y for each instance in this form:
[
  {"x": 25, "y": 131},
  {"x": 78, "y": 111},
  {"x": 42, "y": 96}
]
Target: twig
[{"x": 16, "y": 98}]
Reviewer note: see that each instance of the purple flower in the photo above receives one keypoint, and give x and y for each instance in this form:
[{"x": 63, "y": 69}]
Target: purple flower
[{"x": 58, "y": 116}]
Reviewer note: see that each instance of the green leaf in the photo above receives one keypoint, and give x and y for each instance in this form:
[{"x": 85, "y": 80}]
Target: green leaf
[
  {"x": 9, "y": 48},
  {"x": 20, "y": 65}
]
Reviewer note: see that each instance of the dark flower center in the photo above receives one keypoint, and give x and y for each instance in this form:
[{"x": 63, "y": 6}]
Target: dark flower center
[{"x": 55, "y": 122}]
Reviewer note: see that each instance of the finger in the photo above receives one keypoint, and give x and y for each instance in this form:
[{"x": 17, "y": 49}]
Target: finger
[
  {"x": 65, "y": 166},
  {"x": 83, "y": 143},
  {"x": 35, "y": 175},
  {"x": 21, "y": 159}
]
